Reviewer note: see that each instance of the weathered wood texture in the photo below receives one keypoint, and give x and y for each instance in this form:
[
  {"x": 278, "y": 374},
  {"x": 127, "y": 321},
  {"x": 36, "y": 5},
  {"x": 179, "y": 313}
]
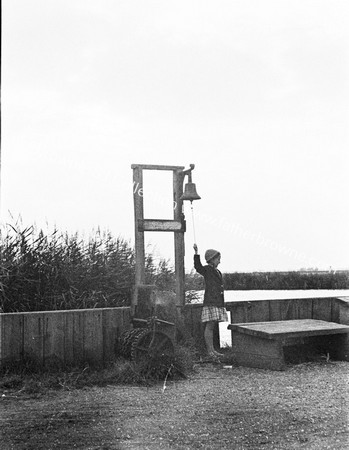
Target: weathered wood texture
[
  {"x": 62, "y": 337},
  {"x": 342, "y": 310},
  {"x": 284, "y": 329},
  {"x": 177, "y": 226},
  {"x": 155, "y": 167},
  {"x": 331, "y": 309},
  {"x": 160, "y": 225},
  {"x": 262, "y": 353},
  {"x": 139, "y": 235},
  {"x": 179, "y": 247},
  {"x": 261, "y": 344}
]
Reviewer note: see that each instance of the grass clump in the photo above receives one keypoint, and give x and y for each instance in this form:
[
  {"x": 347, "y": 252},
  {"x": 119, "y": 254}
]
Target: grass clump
[{"x": 29, "y": 378}]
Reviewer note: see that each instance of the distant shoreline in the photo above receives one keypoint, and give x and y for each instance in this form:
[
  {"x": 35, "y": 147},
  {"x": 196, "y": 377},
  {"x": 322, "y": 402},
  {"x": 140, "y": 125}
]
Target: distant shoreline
[{"x": 250, "y": 295}]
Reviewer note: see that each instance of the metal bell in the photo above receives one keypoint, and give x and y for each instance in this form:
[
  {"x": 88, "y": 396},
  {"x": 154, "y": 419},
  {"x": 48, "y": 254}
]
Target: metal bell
[{"x": 190, "y": 192}]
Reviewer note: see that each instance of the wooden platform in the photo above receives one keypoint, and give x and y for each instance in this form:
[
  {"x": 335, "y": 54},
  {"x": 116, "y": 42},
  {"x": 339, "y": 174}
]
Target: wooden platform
[{"x": 261, "y": 344}]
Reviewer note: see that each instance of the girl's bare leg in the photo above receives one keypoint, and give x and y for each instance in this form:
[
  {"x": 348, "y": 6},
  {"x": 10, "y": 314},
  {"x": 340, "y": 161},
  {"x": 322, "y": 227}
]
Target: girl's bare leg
[{"x": 209, "y": 337}]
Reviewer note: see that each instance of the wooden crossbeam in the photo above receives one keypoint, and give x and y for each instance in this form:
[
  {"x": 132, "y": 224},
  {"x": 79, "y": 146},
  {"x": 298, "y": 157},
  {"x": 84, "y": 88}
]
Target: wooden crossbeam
[
  {"x": 161, "y": 225},
  {"x": 155, "y": 167}
]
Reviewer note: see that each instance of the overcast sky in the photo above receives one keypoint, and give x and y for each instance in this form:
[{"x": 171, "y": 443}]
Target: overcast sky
[{"x": 254, "y": 93}]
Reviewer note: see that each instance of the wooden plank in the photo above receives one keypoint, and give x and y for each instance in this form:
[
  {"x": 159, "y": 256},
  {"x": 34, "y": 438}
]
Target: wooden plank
[
  {"x": 93, "y": 336},
  {"x": 287, "y": 310},
  {"x": 33, "y": 336},
  {"x": 54, "y": 341},
  {"x": 275, "y": 310},
  {"x": 156, "y": 167},
  {"x": 343, "y": 310},
  {"x": 115, "y": 321},
  {"x": 249, "y": 311},
  {"x": 123, "y": 321},
  {"x": 70, "y": 350},
  {"x": 290, "y": 328},
  {"x": 59, "y": 336},
  {"x": 259, "y": 311},
  {"x": 335, "y": 310},
  {"x": 322, "y": 308},
  {"x": 139, "y": 235},
  {"x": 290, "y": 309},
  {"x": 11, "y": 331},
  {"x": 305, "y": 308},
  {"x": 292, "y": 325},
  {"x": 109, "y": 328},
  {"x": 160, "y": 225},
  {"x": 179, "y": 248},
  {"x": 239, "y": 312},
  {"x": 300, "y": 309},
  {"x": 78, "y": 338},
  {"x": 252, "y": 351}
]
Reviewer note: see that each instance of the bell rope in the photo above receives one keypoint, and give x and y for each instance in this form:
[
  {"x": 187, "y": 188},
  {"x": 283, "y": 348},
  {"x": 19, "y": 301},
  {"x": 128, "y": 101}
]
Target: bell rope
[{"x": 193, "y": 221}]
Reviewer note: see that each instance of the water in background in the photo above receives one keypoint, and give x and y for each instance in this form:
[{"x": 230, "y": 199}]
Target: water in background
[{"x": 237, "y": 296}]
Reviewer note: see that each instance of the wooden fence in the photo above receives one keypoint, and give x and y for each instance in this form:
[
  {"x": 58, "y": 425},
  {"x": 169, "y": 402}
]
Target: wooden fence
[
  {"x": 62, "y": 337},
  {"x": 331, "y": 309},
  {"x": 90, "y": 335}
]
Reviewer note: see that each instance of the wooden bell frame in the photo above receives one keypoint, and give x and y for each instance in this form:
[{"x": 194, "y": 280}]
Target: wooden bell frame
[{"x": 176, "y": 226}]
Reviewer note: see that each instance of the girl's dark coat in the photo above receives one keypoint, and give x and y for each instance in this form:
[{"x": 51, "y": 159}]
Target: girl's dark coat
[{"x": 214, "y": 289}]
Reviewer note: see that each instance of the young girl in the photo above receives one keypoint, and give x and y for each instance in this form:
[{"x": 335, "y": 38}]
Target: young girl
[{"x": 213, "y": 308}]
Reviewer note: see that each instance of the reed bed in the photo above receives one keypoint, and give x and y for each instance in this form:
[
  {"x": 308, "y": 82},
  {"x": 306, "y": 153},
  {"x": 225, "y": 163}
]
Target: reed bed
[{"x": 57, "y": 270}]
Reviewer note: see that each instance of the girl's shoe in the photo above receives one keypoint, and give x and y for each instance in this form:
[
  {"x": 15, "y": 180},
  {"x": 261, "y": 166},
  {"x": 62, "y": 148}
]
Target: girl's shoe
[{"x": 219, "y": 355}]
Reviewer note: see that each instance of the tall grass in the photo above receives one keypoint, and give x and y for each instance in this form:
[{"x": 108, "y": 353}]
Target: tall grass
[{"x": 54, "y": 270}]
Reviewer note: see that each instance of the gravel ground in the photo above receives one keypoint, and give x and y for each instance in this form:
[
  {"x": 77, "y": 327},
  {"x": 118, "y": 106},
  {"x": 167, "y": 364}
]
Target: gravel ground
[{"x": 304, "y": 407}]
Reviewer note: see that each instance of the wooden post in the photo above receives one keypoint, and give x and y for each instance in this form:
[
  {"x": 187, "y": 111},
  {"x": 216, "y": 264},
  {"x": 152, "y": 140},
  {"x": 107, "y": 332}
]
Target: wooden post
[
  {"x": 179, "y": 237},
  {"x": 139, "y": 235}
]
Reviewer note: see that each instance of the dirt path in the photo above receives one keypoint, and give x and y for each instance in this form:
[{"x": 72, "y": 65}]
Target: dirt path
[{"x": 304, "y": 407}]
